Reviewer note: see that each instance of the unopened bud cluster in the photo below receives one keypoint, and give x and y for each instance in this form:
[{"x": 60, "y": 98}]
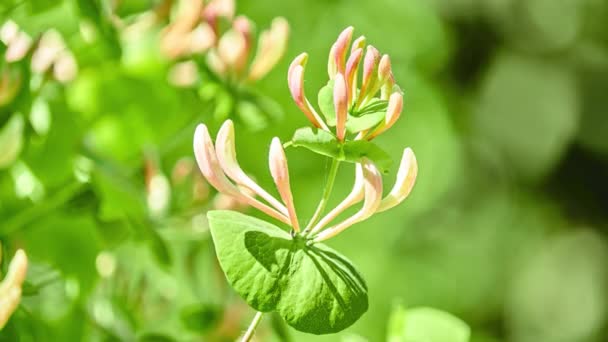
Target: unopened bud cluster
[
  {"x": 49, "y": 53},
  {"x": 196, "y": 29},
  {"x": 219, "y": 165},
  {"x": 377, "y": 86}
]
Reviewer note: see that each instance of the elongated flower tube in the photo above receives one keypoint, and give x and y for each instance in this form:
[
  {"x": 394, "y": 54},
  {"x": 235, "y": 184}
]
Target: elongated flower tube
[
  {"x": 341, "y": 105},
  {"x": 271, "y": 47},
  {"x": 10, "y": 288},
  {"x": 226, "y": 155},
  {"x": 406, "y": 178},
  {"x": 295, "y": 80},
  {"x": 280, "y": 175},
  {"x": 373, "y": 197},
  {"x": 208, "y": 163},
  {"x": 393, "y": 112},
  {"x": 356, "y": 195}
]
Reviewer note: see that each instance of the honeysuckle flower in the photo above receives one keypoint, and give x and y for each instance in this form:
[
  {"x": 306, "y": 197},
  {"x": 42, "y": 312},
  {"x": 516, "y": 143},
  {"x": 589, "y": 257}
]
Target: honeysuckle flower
[
  {"x": 341, "y": 105},
  {"x": 295, "y": 80},
  {"x": 226, "y": 153},
  {"x": 280, "y": 175},
  {"x": 196, "y": 30},
  {"x": 393, "y": 111},
  {"x": 10, "y": 288},
  {"x": 271, "y": 47},
  {"x": 209, "y": 165},
  {"x": 373, "y": 196},
  {"x": 377, "y": 76},
  {"x": 406, "y": 177}
]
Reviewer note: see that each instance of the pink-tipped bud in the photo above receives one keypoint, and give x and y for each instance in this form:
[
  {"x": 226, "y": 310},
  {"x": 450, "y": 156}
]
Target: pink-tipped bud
[
  {"x": 206, "y": 159},
  {"x": 220, "y": 8},
  {"x": 242, "y": 25},
  {"x": 332, "y": 68},
  {"x": 271, "y": 47},
  {"x": 359, "y": 43},
  {"x": 280, "y": 174},
  {"x": 393, "y": 112},
  {"x": 201, "y": 39},
  {"x": 338, "y": 52},
  {"x": 352, "y": 66},
  {"x": 370, "y": 65},
  {"x": 232, "y": 49},
  {"x": 340, "y": 105},
  {"x": 406, "y": 178},
  {"x": 384, "y": 68},
  {"x": 226, "y": 155},
  {"x": 373, "y": 197},
  {"x": 295, "y": 81}
]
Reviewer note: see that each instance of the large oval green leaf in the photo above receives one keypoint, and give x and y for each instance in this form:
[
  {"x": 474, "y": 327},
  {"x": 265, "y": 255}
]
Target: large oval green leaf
[{"x": 314, "y": 288}]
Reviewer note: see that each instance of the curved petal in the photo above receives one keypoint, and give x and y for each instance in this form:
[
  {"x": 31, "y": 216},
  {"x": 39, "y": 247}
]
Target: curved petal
[{"x": 406, "y": 178}]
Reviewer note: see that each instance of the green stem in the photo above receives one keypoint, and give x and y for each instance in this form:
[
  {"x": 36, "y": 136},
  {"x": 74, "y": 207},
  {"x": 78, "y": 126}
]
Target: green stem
[
  {"x": 331, "y": 178},
  {"x": 254, "y": 324}
]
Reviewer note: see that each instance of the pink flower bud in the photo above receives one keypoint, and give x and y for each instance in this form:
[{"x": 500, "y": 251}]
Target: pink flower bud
[
  {"x": 340, "y": 105},
  {"x": 393, "y": 111},
  {"x": 226, "y": 155},
  {"x": 271, "y": 47},
  {"x": 232, "y": 49},
  {"x": 332, "y": 68},
  {"x": 359, "y": 43},
  {"x": 280, "y": 175},
  {"x": 370, "y": 65},
  {"x": 406, "y": 178},
  {"x": 373, "y": 196},
  {"x": 384, "y": 68},
  {"x": 341, "y": 47},
  {"x": 295, "y": 80},
  {"x": 352, "y": 66}
]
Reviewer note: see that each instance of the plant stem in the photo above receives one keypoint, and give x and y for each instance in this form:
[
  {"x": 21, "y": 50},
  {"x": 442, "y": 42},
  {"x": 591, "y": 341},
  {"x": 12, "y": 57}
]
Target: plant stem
[
  {"x": 254, "y": 324},
  {"x": 331, "y": 178}
]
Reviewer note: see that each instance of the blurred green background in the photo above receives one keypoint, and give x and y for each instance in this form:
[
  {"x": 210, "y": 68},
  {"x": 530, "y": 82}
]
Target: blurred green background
[{"x": 505, "y": 107}]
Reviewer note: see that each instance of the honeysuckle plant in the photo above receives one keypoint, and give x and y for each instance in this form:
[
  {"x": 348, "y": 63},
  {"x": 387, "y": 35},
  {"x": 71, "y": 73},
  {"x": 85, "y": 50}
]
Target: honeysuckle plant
[
  {"x": 313, "y": 287},
  {"x": 233, "y": 57},
  {"x": 11, "y": 286}
]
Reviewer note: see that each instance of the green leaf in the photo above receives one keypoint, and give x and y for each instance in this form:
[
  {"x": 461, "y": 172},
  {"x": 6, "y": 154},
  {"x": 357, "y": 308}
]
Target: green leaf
[
  {"x": 355, "y": 150},
  {"x": 11, "y": 140},
  {"x": 315, "y": 289},
  {"x": 426, "y": 324},
  {"x": 326, "y": 103},
  {"x": 323, "y": 142},
  {"x": 355, "y": 124}
]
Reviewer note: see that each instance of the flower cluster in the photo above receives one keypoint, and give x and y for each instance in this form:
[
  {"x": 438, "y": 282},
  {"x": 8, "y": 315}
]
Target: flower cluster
[
  {"x": 349, "y": 98},
  {"x": 49, "y": 53},
  {"x": 220, "y": 167},
  {"x": 196, "y": 30},
  {"x": 10, "y": 287}
]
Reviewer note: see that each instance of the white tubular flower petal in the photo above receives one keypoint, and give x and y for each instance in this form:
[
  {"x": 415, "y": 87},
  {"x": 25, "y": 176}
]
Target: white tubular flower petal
[
  {"x": 373, "y": 196},
  {"x": 406, "y": 178},
  {"x": 280, "y": 175},
  {"x": 356, "y": 195},
  {"x": 206, "y": 159},
  {"x": 10, "y": 289},
  {"x": 341, "y": 105},
  {"x": 226, "y": 155}
]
